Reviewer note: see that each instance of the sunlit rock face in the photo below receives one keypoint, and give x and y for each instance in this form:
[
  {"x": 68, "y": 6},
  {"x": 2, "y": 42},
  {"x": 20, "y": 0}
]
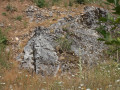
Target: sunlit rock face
[{"x": 40, "y": 53}]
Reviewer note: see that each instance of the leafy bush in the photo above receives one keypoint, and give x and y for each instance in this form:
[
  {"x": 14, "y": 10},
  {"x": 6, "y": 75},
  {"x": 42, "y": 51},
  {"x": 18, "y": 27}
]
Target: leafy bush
[
  {"x": 80, "y": 1},
  {"x": 89, "y": 1},
  {"x": 70, "y": 3},
  {"x": 40, "y": 3},
  {"x": 111, "y": 36},
  {"x": 4, "y": 14}
]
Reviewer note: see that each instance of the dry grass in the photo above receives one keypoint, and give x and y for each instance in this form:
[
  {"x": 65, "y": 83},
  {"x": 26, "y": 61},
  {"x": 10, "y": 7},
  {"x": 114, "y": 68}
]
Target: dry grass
[{"x": 105, "y": 76}]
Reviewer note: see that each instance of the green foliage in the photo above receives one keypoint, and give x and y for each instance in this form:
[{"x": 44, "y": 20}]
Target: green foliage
[
  {"x": 65, "y": 29},
  {"x": 3, "y": 43},
  {"x": 10, "y": 8},
  {"x": 86, "y": 1},
  {"x": 40, "y": 3},
  {"x": 19, "y": 18},
  {"x": 111, "y": 37},
  {"x": 70, "y": 3},
  {"x": 3, "y": 39},
  {"x": 80, "y": 1},
  {"x": 4, "y": 14},
  {"x": 116, "y": 5}
]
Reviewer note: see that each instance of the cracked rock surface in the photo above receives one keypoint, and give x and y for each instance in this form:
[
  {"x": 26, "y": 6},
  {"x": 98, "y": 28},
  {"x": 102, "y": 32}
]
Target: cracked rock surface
[{"x": 40, "y": 53}]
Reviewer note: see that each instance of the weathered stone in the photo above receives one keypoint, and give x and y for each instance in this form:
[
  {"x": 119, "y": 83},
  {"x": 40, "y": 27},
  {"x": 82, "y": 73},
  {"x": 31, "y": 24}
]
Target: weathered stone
[{"x": 40, "y": 53}]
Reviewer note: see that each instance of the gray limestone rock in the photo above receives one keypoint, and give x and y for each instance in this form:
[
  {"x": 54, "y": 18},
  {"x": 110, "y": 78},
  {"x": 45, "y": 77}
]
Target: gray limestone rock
[{"x": 40, "y": 53}]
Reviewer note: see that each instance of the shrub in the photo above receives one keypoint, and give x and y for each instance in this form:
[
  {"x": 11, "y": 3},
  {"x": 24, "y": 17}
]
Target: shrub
[
  {"x": 80, "y": 1},
  {"x": 111, "y": 36},
  {"x": 4, "y": 14},
  {"x": 70, "y": 3},
  {"x": 40, "y": 3}
]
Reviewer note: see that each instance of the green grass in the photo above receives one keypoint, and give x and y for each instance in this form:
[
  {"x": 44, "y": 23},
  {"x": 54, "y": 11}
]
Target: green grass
[
  {"x": 4, "y": 14},
  {"x": 70, "y": 3},
  {"x": 25, "y": 24},
  {"x": 3, "y": 55},
  {"x": 10, "y": 8},
  {"x": 55, "y": 2},
  {"x": 3, "y": 39},
  {"x": 64, "y": 43},
  {"x": 40, "y": 3},
  {"x": 19, "y": 18}
]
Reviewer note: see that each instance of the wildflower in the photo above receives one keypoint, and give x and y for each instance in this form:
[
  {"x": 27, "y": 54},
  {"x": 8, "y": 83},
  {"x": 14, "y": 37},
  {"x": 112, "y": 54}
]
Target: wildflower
[
  {"x": 2, "y": 83},
  {"x": 30, "y": 85},
  {"x": 60, "y": 82},
  {"x": 42, "y": 89},
  {"x": 26, "y": 75},
  {"x": 73, "y": 75},
  {"x": 109, "y": 85},
  {"x": 19, "y": 72},
  {"x": 44, "y": 82},
  {"x": 10, "y": 86},
  {"x": 118, "y": 68},
  {"x": 118, "y": 80},
  {"x": 14, "y": 84},
  {"x": 81, "y": 85}
]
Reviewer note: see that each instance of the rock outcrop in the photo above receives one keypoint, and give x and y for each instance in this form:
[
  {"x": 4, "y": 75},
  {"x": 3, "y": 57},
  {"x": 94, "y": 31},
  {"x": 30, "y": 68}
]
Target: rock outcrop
[{"x": 71, "y": 35}]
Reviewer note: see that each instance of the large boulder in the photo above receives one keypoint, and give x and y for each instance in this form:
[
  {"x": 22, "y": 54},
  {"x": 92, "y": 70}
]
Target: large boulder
[{"x": 41, "y": 54}]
